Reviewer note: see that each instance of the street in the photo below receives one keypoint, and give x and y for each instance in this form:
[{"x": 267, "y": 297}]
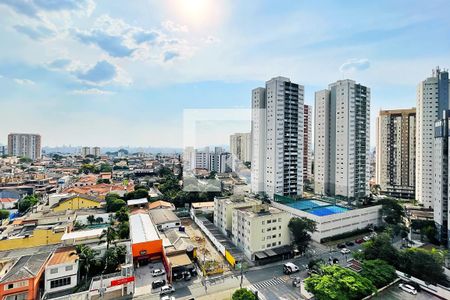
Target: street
[{"x": 269, "y": 280}]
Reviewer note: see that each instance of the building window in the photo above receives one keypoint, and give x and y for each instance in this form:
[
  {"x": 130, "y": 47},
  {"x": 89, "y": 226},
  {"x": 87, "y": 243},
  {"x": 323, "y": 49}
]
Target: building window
[
  {"x": 22, "y": 296},
  {"x": 16, "y": 285},
  {"x": 54, "y": 271},
  {"x": 69, "y": 268},
  {"x": 60, "y": 282}
]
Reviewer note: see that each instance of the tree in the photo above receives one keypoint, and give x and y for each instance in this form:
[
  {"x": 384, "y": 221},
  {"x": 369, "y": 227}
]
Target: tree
[
  {"x": 25, "y": 160},
  {"x": 338, "y": 283},
  {"x": 424, "y": 264},
  {"x": 28, "y": 201},
  {"x": 122, "y": 214},
  {"x": 378, "y": 271},
  {"x": 4, "y": 214},
  {"x": 105, "y": 168},
  {"x": 99, "y": 220},
  {"x": 392, "y": 211},
  {"x": 109, "y": 235},
  {"x": 299, "y": 228},
  {"x": 381, "y": 248},
  {"x": 430, "y": 232},
  {"x": 87, "y": 259},
  {"x": 243, "y": 294},
  {"x": 91, "y": 219},
  {"x": 115, "y": 204},
  {"x": 123, "y": 230}
]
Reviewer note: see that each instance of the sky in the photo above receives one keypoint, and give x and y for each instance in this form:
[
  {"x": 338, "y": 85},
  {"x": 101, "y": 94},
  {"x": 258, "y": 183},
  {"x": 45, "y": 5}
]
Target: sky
[{"x": 113, "y": 73}]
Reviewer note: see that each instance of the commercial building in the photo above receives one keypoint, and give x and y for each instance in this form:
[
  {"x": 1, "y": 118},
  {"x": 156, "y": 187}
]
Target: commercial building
[
  {"x": 341, "y": 142},
  {"x": 396, "y": 152},
  {"x": 61, "y": 271},
  {"x": 331, "y": 217},
  {"x": 440, "y": 178},
  {"x": 241, "y": 148},
  {"x": 76, "y": 202},
  {"x": 146, "y": 243},
  {"x": 24, "y": 145},
  {"x": 277, "y": 138},
  {"x": 261, "y": 231},
  {"x": 307, "y": 143},
  {"x": 432, "y": 99}
]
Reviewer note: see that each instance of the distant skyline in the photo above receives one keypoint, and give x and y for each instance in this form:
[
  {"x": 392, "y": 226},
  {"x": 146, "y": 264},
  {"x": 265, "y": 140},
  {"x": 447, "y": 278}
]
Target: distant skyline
[{"x": 110, "y": 73}]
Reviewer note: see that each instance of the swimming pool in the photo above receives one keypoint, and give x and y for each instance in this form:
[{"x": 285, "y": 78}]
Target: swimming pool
[
  {"x": 327, "y": 210},
  {"x": 306, "y": 204}
]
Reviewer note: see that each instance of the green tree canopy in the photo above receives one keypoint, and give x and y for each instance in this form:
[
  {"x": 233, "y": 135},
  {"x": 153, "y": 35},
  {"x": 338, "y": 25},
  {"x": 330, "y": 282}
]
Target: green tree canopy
[
  {"x": 381, "y": 248},
  {"x": 122, "y": 214},
  {"x": 378, "y": 271},
  {"x": 338, "y": 283},
  {"x": 4, "y": 214},
  {"x": 299, "y": 228},
  {"x": 392, "y": 211},
  {"x": 243, "y": 294},
  {"x": 28, "y": 201},
  {"x": 424, "y": 264}
]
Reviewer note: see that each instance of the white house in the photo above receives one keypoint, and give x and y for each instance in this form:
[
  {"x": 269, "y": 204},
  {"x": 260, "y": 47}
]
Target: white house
[{"x": 61, "y": 272}]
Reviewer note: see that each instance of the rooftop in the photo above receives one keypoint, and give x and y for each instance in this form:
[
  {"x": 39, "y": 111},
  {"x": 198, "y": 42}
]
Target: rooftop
[
  {"x": 142, "y": 229},
  {"x": 198, "y": 205},
  {"x": 26, "y": 267},
  {"x": 63, "y": 255},
  {"x": 162, "y": 216},
  {"x": 137, "y": 201},
  {"x": 160, "y": 203},
  {"x": 82, "y": 234}
]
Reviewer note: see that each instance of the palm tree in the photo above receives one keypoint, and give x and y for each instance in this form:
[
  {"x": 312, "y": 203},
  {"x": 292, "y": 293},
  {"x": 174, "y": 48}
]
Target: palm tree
[
  {"x": 110, "y": 234},
  {"x": 91, "y": 219},
  {"x": 86, "y": 256}
]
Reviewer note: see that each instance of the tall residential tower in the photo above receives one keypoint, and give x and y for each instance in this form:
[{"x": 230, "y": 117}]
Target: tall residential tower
[
  {"x": 341, "y": 141},
  {"x": 307, "y": 143},
  {"x": 277, "y": 138},
  {"x": 25, "y": 145},
  {"x": 432, "y": 100},
  {"x": 396, "y": 152}
]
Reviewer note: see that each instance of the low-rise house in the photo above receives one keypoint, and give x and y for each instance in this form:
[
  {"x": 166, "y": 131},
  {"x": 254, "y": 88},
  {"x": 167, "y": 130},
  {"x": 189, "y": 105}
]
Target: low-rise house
[
  {"x": 8, "y": 203},
  {"x": 164, "y": 219},
  {"x": 77, "y": 202},
  {"x": 161, "y": 204},
  {"x": 61, "y": 271},
  {"x": 21, "y": 277}
]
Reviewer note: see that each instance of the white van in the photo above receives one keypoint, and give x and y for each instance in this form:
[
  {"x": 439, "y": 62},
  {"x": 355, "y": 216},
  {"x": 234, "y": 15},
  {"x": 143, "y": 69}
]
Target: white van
[{"x": 289, "y": 268}]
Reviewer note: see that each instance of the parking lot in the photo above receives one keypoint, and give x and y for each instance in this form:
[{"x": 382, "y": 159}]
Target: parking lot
[
  {"x": 144, "y": 278},
  {"x": 395, "y": 293}
]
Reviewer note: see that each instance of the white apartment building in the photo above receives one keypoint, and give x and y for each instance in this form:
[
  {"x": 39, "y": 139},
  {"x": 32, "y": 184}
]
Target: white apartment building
[
  {"x": 24, "y": 145},
  {"x": 440, "y": 178},
  {"x": 432, "y": 99},
  {"x": 260, "y": 228},
  {"x": 277, "y": 136},
  {"x": 307, "y": 143},
  {"x": 202, "y": 159},
  {"x": 223, "y": 211},
  {"x": 396, "y": 152},
  {"x": 95, "y": 151},
  {"x": 342, "y": 130},
  {"x": 61, "y": 272}
]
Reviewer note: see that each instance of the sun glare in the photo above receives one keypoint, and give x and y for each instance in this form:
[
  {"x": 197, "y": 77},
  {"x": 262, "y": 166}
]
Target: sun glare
[{"x": 199, "y": 12}]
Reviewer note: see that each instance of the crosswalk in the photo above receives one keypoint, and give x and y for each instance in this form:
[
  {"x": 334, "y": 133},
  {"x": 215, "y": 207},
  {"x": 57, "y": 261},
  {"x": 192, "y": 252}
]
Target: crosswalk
[{"x": 267, "y": 283}]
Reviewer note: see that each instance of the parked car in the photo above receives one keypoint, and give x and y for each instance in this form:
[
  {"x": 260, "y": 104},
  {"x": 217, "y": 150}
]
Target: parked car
[
  {"x": 187, "y": 275},
  {"x": 167, "y": 289},
  {"x": 366, "y": 238},
  {"x": 158, "y": 283},
  {"x": 359, "y": 241},
  {"x": 177, "y": 276},
  {"x": 289, "y": 268},
  {"x": 340, "y": 246},
  {"x": 168, "y": 298},
  {"x": 296, "y": 281},
  {"x": 408, "y": 288},
  {"x": 349, "y": 243},
  {"x": 345, "y": 251},
  {"x": 158, "y": 272}
]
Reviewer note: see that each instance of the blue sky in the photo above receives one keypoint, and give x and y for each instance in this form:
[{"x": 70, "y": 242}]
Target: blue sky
[{"x": 111, "y": 73}]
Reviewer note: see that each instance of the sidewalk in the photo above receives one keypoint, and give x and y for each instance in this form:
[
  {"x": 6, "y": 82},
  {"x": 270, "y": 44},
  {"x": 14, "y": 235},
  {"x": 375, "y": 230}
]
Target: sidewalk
[{"x": 224, "y": 295}]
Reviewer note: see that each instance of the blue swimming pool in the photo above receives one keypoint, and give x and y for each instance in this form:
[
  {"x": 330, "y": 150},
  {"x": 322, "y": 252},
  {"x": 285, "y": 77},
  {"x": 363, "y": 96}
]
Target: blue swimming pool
[
  {"x": 327, "y": 210},
  {"x": 307, "y": 204}
]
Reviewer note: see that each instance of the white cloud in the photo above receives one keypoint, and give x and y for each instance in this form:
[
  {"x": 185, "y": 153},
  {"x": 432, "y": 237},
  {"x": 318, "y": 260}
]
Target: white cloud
[
  {"x": 174, "y": 27},
  {"x": 24, "y": 81},
  {"x": 92, "y": 91},
  {"x": 355, "y": 64}
]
